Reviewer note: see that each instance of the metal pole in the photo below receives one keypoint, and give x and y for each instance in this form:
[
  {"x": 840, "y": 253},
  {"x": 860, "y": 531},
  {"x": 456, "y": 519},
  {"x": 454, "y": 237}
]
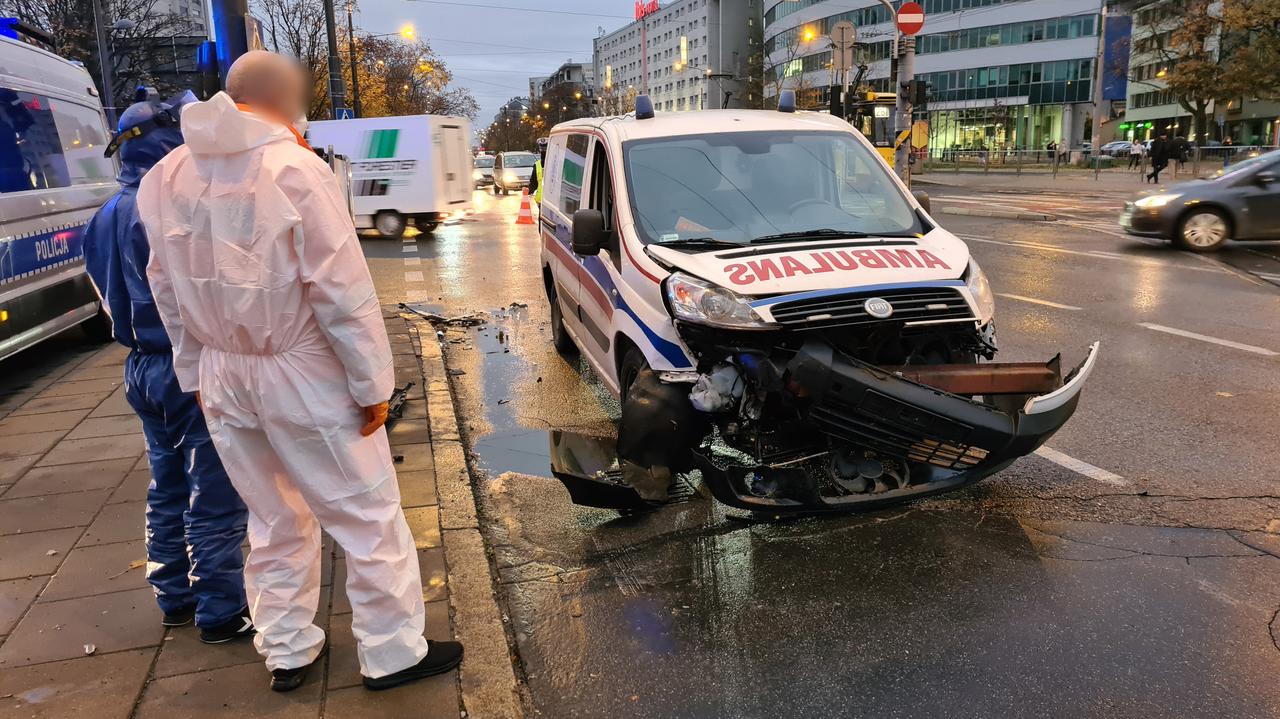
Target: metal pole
[
  {"x": 1099, "y": 74},
  {"x": 337, "y": 90},
  {"x": 104, "y": 63},
  {"x": 906, "y": 72},
  {"x": 355, "y": 76}
]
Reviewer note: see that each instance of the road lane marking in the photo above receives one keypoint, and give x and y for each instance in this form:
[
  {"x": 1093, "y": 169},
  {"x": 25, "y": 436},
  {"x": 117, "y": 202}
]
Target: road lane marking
[
  {"x": 409, "y": 248},
  {"x": 413, "y": 277},
  {"x": 1206, "y": 338},
  {"x": 1096, "y": 254},
  {"x": 413, "y": 261},
  {"x": 1033, "y": 300},
  {"x": 1081, "y": 467}
]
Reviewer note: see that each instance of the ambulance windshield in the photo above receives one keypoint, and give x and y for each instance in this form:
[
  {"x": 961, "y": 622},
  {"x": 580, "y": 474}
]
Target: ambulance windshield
[{"x": 737, "y": 187}]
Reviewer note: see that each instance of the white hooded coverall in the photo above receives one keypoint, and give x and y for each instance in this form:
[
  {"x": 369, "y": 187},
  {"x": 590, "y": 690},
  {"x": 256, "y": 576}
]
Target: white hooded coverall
[{"x": 260, "y": 282}]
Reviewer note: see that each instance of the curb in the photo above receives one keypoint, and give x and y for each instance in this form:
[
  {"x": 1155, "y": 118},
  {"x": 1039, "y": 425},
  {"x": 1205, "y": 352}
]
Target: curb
[
  {"x": 1001, "y": 214},
  {"x": 487, "y": 677}
]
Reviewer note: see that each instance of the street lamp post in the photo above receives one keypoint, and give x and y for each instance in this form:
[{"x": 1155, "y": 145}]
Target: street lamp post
[
  {"x": 104, "y": 63},
  {"x": 337, "y": 90},
  {"x": 355, "y": 76}
]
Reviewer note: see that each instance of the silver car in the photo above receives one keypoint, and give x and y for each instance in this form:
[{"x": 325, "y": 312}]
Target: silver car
[{"x": 1241, "y": 202}]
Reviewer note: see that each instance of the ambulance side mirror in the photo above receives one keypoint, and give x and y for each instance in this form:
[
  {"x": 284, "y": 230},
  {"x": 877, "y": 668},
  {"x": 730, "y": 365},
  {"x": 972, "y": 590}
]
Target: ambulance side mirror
[
  {"x": 588, "y": 232},
  {"x": 923, "y": 198}
]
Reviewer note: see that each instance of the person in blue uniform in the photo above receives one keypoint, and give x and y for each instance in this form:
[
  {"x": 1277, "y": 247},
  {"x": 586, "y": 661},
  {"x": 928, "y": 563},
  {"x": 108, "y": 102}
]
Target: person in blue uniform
[{"x": 196, "y": 522}]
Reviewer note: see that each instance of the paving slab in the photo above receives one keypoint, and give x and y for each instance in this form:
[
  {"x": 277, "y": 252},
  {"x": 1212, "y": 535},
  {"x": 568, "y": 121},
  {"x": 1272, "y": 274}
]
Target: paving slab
[
  {"x": 54, "y": 631},
  {"x": 101, "y": 387},
  {"x": 28, "y": 554},
  {"x": 11, "y": 469},
  {"x": 73, "y": 451},
  {"x": 124, "y": 424},
  {"x": 99, "y": 570},
  {"x": 113, "y": 405},
  {"x": 15, "y": 596},
  {"x": 111, "y": 371},
  {"x": 415, "y": 409},
  {"x": 33, "y": 514},
  {"x": 424, "y": 522},
  {"x": 110, "y": 356},
  {"x": 27, "y": 424},
  {"x": 408, "y": 431},
  {"x": 70, "y": 478},
  {"x": 184, "y": 653},
  {"x": 20, "y": 445},
  {"x": 116, "y": 523},
  {"x": 416, "y": 457},
  {"x": 239, "y": 691},
  {"x": 45, "y": 405},
  {"x": 103, "y": 687},
  {"x": 133, "y": 488},
  {"x": 417, "y": 489}
]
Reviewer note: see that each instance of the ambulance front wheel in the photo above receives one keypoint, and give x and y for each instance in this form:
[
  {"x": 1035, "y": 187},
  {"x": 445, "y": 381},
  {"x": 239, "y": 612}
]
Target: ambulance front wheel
[{"x": 390, "y": 224}]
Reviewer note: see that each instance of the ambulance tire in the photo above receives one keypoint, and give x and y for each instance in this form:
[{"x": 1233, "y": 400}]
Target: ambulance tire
[
  {"x": 390, "y": 224},
  {"x": 559, "y": 335},
  {"x": 632, "y": 364}
]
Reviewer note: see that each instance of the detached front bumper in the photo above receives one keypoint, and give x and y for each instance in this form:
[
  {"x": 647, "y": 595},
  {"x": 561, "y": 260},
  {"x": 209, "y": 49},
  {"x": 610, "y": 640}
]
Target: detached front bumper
[{"x": 947, "y": 440}]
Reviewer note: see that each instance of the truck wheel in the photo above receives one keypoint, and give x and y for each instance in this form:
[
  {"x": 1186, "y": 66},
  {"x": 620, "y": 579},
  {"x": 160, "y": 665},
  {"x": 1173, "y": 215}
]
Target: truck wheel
[
  {"x": 389, "y": 224},
  {"x": 1203, "y": 230},
  {"x": 559, "y": 335},
  {"x": 98, "y": 327}
]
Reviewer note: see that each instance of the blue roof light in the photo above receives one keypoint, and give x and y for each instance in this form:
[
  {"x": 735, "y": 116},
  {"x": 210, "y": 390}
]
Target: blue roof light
[{"x": 644, "y": 107}]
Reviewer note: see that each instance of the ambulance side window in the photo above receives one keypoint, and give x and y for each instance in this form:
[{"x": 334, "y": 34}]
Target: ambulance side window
[
  {"x": 573, "y": 167},
  {"x": 601, "y": 198}
]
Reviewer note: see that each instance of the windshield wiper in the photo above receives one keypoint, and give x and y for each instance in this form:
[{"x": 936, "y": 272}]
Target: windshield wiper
[
  {"x": 707, "y": 242},
  {"x": 824, "y": 233}
]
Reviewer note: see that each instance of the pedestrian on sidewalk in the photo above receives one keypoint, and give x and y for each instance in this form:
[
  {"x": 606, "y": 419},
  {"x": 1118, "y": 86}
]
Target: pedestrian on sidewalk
[
  {"x": 195, "y": 521},
  {"x": 1159, "y": 157},
  {"x": 260, "y": 280},
  {"x": 1135, "y": 155}
]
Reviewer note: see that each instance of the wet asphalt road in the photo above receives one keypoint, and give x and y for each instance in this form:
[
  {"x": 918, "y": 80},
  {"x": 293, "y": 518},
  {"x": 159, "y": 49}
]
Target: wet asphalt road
[{"x": 1144, "y": 584}]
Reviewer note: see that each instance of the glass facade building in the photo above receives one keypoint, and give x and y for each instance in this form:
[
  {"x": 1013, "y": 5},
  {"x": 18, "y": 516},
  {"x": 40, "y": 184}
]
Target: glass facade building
[{"x": 1011, "y": 74}]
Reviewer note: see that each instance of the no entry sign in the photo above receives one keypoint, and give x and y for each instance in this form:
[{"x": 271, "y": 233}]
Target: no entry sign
[{"x": 910, "y": 18}]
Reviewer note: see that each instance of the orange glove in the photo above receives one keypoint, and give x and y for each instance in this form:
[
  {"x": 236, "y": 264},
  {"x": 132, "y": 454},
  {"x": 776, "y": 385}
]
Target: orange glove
[{"x": 374, "y": 417}]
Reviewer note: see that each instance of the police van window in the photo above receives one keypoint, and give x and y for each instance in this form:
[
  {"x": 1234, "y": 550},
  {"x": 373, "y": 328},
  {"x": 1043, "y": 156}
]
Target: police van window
[
  {"x": 745, "y": 185},
  {"x": 31, "y": 155},
  {"x": 573, "y": 167},
  {"x": 83, "y": 136},
  {"x": 602, "y": 198}
]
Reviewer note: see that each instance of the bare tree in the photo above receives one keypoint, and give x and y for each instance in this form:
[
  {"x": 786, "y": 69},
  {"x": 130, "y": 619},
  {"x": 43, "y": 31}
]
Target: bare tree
[
  {"x": 138, "y": 46},
  {"x": 296, "y": 28},
  {"x": 791, "y": 64}
]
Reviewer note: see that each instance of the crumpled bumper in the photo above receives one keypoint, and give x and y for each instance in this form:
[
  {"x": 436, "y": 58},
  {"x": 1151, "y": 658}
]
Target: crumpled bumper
[{"x": 949, "y": 440}]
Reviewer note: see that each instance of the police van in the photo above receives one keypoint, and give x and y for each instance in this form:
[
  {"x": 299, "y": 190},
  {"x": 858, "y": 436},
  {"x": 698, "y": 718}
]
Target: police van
[
  {"x": 774, "y": 308},
  {"x": 53, "y": 177}
]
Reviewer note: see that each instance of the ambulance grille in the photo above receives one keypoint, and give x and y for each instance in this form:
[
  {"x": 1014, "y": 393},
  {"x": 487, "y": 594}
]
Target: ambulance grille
[{"x": 910, "y": 305}]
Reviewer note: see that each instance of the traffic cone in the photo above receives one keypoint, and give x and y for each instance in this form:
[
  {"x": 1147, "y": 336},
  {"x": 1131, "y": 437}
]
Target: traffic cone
[{"x": 526, "y": 213}]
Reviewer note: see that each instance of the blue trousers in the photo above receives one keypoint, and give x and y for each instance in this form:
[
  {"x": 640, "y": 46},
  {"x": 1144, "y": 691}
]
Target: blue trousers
[{"x": 195, "y": 520}]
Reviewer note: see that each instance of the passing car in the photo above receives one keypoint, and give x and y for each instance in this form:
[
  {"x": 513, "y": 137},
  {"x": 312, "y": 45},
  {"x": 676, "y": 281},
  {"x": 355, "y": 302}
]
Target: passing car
[
  {"x": 1117, "y": 148},
  {"x": 1240, "y": 202},
  {"x": 483, "y": 172},
  {"x": 512, "y": 170},
  {"x": 774, "y": 308}
]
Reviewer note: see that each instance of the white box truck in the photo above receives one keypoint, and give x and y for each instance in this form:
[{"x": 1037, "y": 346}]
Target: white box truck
[{"x": 409, "y": 168}]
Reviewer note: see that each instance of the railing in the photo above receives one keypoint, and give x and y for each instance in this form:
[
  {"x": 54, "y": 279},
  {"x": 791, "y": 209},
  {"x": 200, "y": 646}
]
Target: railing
[{"x": 1200, "y": 162}]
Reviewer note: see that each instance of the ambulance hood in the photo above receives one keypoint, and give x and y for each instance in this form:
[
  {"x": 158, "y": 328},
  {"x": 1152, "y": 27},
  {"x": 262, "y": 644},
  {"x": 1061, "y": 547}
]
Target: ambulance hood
[{"x": 822, "y": 265}]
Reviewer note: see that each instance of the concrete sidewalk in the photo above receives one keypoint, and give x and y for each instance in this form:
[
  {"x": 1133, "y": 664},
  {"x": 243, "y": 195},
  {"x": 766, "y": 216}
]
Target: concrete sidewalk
[{"x": 80, "y": 631}]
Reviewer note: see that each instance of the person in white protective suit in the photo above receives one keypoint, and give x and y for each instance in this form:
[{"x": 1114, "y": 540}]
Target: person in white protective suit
[{"x": 261, "y": 284}]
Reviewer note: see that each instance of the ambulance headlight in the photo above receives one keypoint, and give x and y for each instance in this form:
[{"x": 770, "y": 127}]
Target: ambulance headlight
[
  {"x": 976, "y": 280},
  {"x": 693, "y": 300}
]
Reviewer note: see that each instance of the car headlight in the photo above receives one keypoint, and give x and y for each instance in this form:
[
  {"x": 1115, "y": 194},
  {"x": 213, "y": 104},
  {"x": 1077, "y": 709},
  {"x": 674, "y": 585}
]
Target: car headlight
[
  {"x": 477, "y": 175},
  {"x": 509, "y": 176},
  {"x": 694, "y": 300},
  {"x": 1156, "y": 200},
  {"x": 980, "y": 288}
]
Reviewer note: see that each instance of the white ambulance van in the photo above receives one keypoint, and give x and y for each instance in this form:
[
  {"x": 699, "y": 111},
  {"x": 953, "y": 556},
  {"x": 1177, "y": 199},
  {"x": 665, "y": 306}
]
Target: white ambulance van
[
  {"x": 776, "y": 309},
  {"x": 53, "y": 177},
  {"x": 409, "y": 168}
]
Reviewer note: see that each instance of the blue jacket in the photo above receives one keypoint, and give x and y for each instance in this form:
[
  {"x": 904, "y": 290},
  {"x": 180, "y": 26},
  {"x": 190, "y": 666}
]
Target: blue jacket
[{"x": 116, "y": 249}]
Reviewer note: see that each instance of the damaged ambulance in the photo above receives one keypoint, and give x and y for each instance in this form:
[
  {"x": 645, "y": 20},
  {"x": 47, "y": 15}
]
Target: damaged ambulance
[{"x": 775, "y": 309}]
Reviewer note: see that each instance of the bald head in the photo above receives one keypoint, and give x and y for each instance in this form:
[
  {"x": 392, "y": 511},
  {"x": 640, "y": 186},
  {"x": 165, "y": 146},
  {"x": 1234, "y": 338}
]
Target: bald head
[{"x": 268, "y": 81}]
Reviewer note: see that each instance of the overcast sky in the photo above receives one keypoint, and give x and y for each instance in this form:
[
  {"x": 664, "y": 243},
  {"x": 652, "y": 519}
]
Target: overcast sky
[{"x": 494, "y": 51}]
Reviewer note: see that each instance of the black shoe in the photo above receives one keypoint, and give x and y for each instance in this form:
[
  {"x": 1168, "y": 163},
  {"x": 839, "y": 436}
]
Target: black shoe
[
  {"x": 441, "y": 657},
  {"x": 286, "y": 680},
  {"x": 180, "y": 618},
  {"x": 234, "y": 628}
]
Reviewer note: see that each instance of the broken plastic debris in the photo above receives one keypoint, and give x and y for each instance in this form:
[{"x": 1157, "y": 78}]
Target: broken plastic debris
[
  {"x": 719, "y": 391},
  {"x": 90, "y": 648},
  {"x": 51, "y": 552}
]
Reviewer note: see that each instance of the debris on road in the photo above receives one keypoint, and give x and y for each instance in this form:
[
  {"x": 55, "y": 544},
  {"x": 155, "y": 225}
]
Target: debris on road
[{"x": 89, "y": 649}]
